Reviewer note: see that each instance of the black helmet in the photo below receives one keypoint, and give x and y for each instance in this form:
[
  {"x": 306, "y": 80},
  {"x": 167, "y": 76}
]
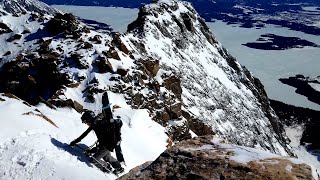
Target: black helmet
[{"x": 87, "y": 116}]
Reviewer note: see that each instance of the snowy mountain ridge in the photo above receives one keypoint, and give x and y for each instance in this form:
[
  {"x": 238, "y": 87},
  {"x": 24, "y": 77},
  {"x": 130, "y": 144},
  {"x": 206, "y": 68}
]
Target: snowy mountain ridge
[
  {"x": 22, "y": 6},
  {"x": 168, "y": 79},
  {"x": 215, "y": 88}
]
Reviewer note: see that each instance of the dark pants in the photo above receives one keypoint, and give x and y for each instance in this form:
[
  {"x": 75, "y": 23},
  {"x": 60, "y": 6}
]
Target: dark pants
[
  {"x": 119, "y": 153},
  {"x": 105, "y": 154}
]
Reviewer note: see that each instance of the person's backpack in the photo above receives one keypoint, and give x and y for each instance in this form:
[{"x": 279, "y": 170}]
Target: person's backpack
[{"x": 117, "y": 124}]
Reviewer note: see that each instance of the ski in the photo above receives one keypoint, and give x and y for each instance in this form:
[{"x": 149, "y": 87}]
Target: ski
[
  {"x": 105, "y": 169},
  {"x": 106, "y": 106}
]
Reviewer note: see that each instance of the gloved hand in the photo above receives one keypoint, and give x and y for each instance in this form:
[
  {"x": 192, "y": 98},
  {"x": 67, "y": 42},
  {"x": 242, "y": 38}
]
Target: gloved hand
[{"x": 73, "y": 143}]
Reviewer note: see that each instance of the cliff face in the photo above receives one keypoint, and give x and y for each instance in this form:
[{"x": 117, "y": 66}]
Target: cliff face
[{"x": 214, "y": 88}]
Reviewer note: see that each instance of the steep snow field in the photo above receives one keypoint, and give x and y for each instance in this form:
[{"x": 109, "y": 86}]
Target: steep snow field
[{"x": 33, "y": 148}]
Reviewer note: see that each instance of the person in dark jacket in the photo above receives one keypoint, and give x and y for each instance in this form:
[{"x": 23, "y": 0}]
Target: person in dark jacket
[{"x": 107, "y": 141}]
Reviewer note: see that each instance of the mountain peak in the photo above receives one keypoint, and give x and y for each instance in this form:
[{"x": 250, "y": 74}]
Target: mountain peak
[{"x": 216, "y": 89}]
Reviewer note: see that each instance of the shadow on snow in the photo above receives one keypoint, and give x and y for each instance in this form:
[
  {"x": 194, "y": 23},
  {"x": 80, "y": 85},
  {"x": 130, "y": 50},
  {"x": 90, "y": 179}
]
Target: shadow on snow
[{"x": 75, "y": 151}]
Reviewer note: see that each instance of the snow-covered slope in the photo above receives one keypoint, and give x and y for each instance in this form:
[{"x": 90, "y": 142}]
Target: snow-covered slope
[
  {"x": 33, "y": 139},
  {"x": 20, "y": 21},
  {"x": 31, "y": 147},
  {"x": 215, "y": 88},
  {"x": 167, "y": 78}
]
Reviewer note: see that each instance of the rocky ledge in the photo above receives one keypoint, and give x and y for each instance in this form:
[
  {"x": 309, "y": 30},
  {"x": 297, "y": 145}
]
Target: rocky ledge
[{"x": 209, "y": 158}]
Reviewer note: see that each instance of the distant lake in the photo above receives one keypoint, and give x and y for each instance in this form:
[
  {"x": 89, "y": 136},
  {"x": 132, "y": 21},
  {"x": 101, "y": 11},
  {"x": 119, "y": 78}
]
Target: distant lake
[{"x": 268, "y": 66}]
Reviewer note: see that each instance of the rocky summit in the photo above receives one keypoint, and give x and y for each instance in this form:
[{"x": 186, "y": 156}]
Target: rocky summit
[{"x": 204, "y": 158}]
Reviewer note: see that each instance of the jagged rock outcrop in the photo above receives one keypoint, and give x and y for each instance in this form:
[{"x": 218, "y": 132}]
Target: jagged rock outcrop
[
  {"x": 32, "y": 77},
  {"x": 206, "y": 158},
  {"x": 62, "y": 23},
  {"x": 207, "y": 81}
]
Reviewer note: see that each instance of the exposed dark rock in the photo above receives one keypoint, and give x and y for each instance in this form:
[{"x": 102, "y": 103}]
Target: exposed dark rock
[
  {"x": 138, "y": 24},
  {"x": 14, "y": 37},
  {"x": 173, "y": 84},
  {"x": 103, "y": 65},
  {"x": 4, "y": 28},
  {"x": 162, "y": 117},
  {"x": 85, "y": 30},
  {"x": 20, "y": 57},
  {"x": 179, "y": 132},
  {"x": 230, "y": 59},
  {"x": 112, "y": 53},
  {"x": 206, "y": 32},
  {"x": 188, "y": 22},
  {"x": 76, "y": 60},
  {"x": 116, "y": 41},
  {"x": 173, "y": 109},
  {"x": 12, "y": 96},
  {"x": 197, "y": 126},
  {"x": 67, "y": 103},
  {"x": 26, "y": 31},
  {"x": 85, "y": 45},
  {"x": 74, "y": 85},
  {"x": 96, "y": 39},
  {"x": 44, "y": 46},
  {"x": 7, "y": 53},
  {"x": 91, "y": 90},
  {"x": 122, "y": 71},
  {"x": 42, "y": 116},
  {"x": 152, "y": 66},
  {"x": 137, "y": 100},
  {"x": 154, "y": 85},
  {"x": 37, "y": 17},
  {"x": 200, "y": 158},
  {"x": 62, "y": 23},
  {"x": 29, "y": 81},
  {"x": 90, "y": 98},
  {"x": 53, "y": 56}
]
